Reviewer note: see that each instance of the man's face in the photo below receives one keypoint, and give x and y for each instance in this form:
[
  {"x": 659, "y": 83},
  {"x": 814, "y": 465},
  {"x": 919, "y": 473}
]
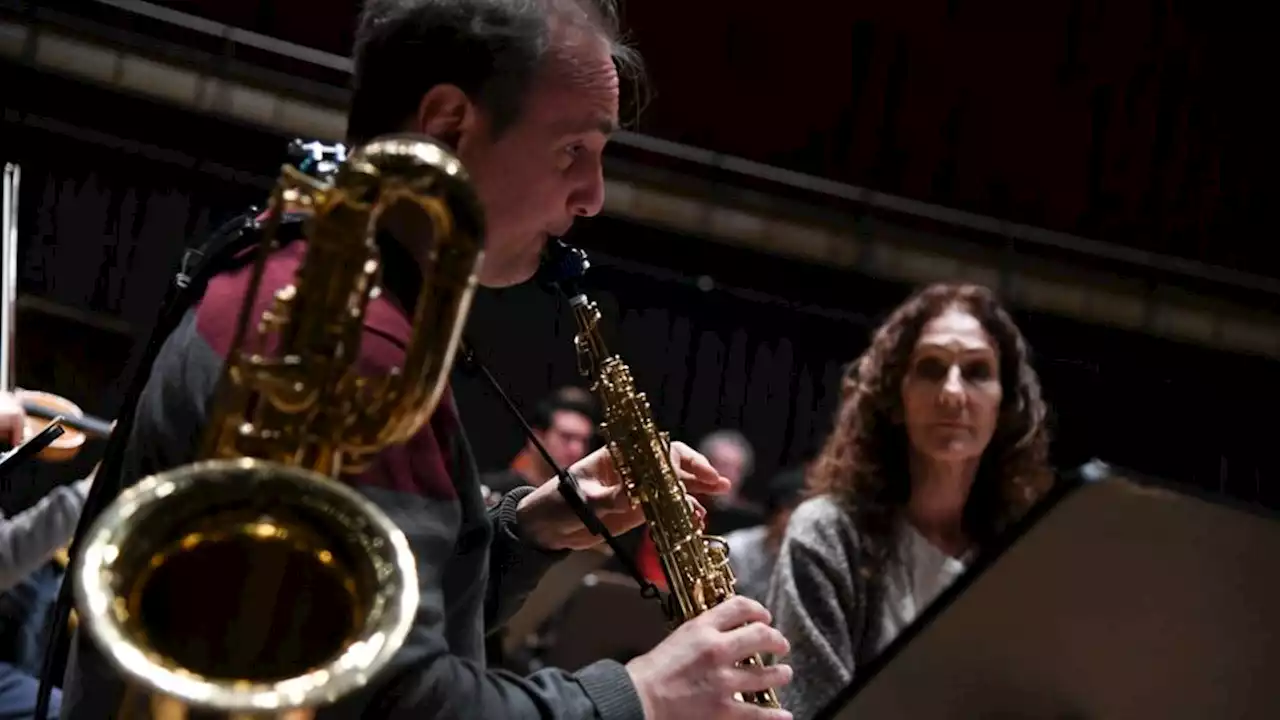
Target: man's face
[
  {"x": 545, "y": 170},
  {"x": 568, "y": 437},
  {"x": 728, "y": 460}
]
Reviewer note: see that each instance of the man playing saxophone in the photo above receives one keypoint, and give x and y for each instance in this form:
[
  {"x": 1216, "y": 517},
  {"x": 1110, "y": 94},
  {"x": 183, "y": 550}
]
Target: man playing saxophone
[{"x": 526, "y": 93}]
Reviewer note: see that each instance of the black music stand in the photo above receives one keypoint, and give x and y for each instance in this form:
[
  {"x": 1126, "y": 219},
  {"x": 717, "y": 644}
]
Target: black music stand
[{"x": 1121, "y": 598}]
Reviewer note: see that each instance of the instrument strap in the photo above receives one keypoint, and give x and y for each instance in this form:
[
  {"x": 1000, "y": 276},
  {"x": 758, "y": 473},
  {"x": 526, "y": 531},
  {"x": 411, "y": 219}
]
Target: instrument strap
[{"x": 568, "y": 485}]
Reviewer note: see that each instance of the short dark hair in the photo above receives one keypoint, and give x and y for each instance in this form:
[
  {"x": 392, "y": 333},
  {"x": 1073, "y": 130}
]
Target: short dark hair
[
  {"x": 566, "y": 399},
  {"x": 491, "y": 49},
  {"x": 785, "y": 490}
]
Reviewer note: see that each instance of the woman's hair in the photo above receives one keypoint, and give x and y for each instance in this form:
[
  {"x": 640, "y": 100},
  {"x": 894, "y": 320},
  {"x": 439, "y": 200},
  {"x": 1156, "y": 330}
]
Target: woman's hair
[{"x": 863, "y": 464}]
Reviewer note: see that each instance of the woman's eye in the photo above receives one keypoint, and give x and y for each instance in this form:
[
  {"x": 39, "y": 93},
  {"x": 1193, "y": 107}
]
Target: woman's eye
[
  {"x": 979, "y": 371},
  {"x": 931, "y": 368}
]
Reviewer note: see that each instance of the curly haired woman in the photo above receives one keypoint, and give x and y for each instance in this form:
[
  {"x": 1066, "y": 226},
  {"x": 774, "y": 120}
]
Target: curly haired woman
[{"x": 939, "y": 444}]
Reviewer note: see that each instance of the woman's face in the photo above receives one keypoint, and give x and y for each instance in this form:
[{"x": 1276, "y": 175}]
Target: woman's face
[{"x": 951, "y": 392}]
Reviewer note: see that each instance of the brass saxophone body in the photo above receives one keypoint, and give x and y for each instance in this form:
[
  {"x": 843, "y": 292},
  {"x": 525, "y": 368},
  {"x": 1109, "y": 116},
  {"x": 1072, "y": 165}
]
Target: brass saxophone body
[
  {"x": 253, "y": 583},
  {"x": 696, "y": 565}
]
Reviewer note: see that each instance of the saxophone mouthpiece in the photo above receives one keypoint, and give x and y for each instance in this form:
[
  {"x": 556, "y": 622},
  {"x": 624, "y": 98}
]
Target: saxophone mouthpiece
[
  {"x": 563, "y": 267},
  {"x": 317, "y": 159}
]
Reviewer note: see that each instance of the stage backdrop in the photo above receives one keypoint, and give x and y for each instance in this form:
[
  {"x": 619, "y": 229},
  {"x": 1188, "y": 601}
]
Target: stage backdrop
[{"x": 716, "y": 337}]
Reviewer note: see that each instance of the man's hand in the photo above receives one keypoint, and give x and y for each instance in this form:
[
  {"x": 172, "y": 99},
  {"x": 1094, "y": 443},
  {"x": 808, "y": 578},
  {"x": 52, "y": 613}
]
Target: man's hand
[
  {"x": 694, "y": 673},
  {"x": 13, "y": 421},
  {"x": 547, "y": 521}
]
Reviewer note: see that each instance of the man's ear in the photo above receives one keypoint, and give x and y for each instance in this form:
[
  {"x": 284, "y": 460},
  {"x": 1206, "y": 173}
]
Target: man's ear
[{"x": 446, "y": 114}]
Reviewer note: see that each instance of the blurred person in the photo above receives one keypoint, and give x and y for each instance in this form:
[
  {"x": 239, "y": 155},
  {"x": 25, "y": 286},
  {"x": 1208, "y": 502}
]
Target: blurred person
[
  {"x": 564, "y": 422},
  {"x": 730, "y": 453},
  {"x": 753, "y": 551},
  {"x": 29, "y": 576},
  {"x": 939, "y": 444}
]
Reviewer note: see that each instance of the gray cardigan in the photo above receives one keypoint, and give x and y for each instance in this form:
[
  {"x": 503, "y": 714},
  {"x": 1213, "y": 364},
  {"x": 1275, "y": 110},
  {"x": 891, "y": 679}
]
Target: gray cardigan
[
  {"x": 30, "y": 538},
  {"x": 820, "y": 597}
]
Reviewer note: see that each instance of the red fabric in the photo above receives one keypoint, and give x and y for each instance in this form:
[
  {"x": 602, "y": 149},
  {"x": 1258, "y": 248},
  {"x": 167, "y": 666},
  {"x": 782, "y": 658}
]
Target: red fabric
[
  {"x": 419, "y": 466},
  {"x": 648, "y": 562}
]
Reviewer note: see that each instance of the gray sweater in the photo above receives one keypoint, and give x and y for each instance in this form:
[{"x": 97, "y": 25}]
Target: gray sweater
[
  {"x": 820, "y": 600},
  {"x": 30, "y": 538}
]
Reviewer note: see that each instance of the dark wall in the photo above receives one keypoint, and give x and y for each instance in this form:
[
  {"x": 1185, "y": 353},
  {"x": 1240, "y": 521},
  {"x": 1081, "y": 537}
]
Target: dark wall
[
  {"x": 110, "y": 198},
  {"x": 1136, "y": 123}
]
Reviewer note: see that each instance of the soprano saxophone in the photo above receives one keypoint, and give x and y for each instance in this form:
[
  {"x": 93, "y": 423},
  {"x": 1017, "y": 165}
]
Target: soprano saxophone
[
  {"x": 696, "y": 565},
  {"x": 253, "y": 583}
]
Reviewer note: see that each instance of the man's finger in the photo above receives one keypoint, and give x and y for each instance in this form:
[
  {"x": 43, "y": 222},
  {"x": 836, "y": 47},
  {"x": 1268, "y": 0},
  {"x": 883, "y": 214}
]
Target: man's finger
[
  {"x": 735, "y": 612},
  {"x": 691, "y": 460},
  {"x": 608, "y": 499},
  {"x": 744, "y": 711},
  {"x": 606, "y": 473},
  {"x": 755, "y": 637},
  {"x": 714, "y": 484},
  {"x": 699, "y": 512},
  {"x": 752, "y": 680}
]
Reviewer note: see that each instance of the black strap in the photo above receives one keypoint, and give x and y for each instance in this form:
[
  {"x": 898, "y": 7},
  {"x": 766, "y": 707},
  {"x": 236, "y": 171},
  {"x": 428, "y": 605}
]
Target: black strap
[
  {"x": 225, "y": 250},
  {"x": 568, "y": 485}
]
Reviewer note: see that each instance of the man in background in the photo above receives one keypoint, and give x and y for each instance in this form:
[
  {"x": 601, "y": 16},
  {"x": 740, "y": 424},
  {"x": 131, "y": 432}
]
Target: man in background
[
  {"x": 731, "y": 454},
  {"x": 564, "y": 422}
]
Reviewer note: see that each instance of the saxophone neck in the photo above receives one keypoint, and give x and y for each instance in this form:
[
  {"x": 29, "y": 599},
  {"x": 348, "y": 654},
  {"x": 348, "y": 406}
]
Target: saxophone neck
[{"x": 589, "y": 343}]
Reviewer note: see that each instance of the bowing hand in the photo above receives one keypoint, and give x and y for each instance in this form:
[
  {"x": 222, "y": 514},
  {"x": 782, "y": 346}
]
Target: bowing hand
[{"x": 547, "y": 521}]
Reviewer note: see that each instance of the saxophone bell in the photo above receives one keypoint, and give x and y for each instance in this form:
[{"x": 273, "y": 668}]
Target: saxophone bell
[{"x": 243, "y": 586}]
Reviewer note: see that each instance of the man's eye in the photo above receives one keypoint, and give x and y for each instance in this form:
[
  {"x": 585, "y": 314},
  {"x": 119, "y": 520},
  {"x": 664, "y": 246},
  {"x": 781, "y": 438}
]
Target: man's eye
[{"x": 568, "y": 155}]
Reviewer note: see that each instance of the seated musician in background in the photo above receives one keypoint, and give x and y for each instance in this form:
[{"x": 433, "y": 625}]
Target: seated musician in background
[
  {"x": 564, "y": 422},
  {"x": 753, "y": 551},
  {"x": 527, "y": 94},
  {"x": 732, "y": 455},
  {"x": 29, "y": 578},
  {"x": 939, "y": 444}
]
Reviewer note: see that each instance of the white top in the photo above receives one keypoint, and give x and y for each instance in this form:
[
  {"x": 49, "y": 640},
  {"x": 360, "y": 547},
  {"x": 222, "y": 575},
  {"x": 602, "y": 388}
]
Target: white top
[
  {"x": 751, "y": 561},
  {"x": 921, "y": 574}
]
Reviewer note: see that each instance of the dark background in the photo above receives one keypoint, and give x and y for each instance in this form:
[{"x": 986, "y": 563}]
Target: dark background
[
  {"x": 1141, "y": 123},
  {"x": 113, "y": 187}
]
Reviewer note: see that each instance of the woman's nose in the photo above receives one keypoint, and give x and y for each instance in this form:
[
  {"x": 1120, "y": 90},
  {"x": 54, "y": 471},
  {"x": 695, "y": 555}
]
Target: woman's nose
[{"x": 952, "y": 387}]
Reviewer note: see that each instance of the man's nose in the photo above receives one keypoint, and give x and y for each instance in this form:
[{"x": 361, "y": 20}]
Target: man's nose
[{"x": 587, "y": 199}]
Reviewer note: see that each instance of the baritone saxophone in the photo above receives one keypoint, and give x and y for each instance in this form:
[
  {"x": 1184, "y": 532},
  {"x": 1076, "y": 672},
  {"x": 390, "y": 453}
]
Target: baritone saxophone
[
  {"x": 304, "y": 588},
  {"x": 696, "y": 565}
]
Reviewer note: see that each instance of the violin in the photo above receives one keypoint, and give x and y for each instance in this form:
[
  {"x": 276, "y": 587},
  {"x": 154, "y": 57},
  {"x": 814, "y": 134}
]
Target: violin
[{"x": 40, "y": 407}]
